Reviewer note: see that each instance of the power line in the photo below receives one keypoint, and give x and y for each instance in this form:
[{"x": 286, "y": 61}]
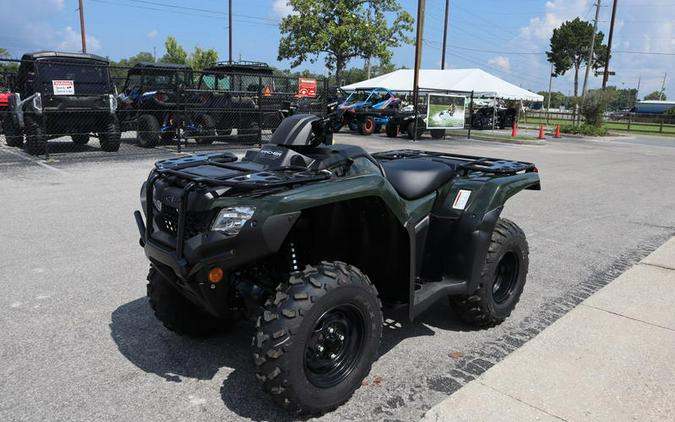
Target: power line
[{"x": 186, "y": 12}]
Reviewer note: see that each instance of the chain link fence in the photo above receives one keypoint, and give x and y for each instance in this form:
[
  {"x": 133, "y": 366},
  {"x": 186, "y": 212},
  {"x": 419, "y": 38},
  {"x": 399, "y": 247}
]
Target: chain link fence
[{"x": 78, "y": 106}]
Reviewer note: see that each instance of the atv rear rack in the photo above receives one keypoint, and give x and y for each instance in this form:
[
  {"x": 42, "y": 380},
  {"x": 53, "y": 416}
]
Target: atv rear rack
[{"x": 467, "y": 163}]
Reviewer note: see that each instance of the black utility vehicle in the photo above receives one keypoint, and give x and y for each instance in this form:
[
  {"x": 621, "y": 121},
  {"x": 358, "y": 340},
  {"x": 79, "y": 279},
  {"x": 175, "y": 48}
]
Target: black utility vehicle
[
  {"x": 244, "y": 96},
  {"x": 309, "y": 237},
  {"x": 62, "y": 94},
  {"x": 157, "y": 102}
]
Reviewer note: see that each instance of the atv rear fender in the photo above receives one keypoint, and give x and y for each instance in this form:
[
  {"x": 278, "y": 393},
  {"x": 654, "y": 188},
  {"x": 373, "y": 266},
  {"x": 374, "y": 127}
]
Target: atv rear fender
[{"x": 458, "y": 239}]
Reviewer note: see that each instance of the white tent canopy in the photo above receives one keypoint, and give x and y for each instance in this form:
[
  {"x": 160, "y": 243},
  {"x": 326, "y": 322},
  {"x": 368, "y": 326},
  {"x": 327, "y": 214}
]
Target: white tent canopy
[{"x": 455, "y": 80}]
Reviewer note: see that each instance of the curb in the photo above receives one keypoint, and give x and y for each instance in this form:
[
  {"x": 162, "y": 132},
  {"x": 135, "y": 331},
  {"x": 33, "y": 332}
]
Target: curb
[{"x": 589, "y": 364}]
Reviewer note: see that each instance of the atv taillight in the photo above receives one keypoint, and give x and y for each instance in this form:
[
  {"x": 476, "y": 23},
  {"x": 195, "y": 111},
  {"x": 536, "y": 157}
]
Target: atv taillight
[{"x": 535, "y": 169}]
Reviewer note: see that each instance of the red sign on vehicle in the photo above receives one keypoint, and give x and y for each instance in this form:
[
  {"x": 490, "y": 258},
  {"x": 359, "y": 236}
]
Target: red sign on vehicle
[
  {"x": 306, "y": 87},
  {"x": 4, "y": 100}
]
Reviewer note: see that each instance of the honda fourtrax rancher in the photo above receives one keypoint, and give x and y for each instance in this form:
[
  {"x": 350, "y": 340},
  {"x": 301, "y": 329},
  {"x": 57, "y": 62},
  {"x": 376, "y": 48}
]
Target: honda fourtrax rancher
[
  {"x": 157, "y": 103},
  {"x": 311, "y": 238},
  {"x": 62, "y": 94}
]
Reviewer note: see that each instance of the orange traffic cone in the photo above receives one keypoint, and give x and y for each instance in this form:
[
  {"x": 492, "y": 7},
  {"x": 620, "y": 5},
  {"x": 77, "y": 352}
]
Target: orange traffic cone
[
  {"x": 268, "y": 91},
  {"x": 557, "y": 131},
  {"x": 541, "y": 131},
  {"x": 514, "y": 130}
]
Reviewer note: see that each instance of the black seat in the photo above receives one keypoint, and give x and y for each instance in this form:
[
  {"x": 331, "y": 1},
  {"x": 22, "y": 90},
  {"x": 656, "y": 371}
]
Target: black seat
[{"x": 414, "y": 178}]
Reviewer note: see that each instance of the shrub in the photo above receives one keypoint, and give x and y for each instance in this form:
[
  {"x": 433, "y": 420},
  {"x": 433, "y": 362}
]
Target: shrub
[
  {"x": 593, "y": 106},
  {"x": 584, "y": 129}
]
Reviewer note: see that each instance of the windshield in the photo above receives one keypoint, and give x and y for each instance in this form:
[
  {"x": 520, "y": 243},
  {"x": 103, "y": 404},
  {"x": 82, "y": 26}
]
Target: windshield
[
  {"x": 165, "y": 80},
  {"x": 87, "y": 78}
]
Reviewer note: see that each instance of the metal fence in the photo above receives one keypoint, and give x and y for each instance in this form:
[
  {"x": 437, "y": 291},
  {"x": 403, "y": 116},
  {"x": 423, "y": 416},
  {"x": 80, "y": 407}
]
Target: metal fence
[
  {"x": 618, "y": 121},
  {"x": 81, "y": 109}
]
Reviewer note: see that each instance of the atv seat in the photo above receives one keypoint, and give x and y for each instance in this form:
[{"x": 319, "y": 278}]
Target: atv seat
[{"x": 414, "y": 178}]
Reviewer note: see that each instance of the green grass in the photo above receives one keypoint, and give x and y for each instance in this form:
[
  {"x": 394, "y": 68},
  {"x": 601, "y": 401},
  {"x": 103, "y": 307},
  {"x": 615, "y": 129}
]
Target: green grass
[{"x": 635, "y": 128}]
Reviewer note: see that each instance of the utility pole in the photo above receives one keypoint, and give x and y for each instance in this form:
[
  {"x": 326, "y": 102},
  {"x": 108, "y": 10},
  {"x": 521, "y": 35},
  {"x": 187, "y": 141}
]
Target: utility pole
[
  {"x": 605, "y": 76},
  {"x": 445, "y": 32},
  {"x": 368, "y": 66},
  {"x": 548, "y": 102},
  {"x": 418, "y": 62},
  {"x": 663, "y": 86},
  {"x": 154, "y": 54},
  {"x": 590, "y": 55},
  {"x": 229, "y": 27},
  {"x": 637, "y": 93},
  {"x": 84, "y": 37}
]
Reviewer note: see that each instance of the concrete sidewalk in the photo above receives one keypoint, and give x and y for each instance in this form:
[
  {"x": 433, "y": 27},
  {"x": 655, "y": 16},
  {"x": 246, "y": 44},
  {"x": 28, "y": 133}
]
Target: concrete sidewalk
[{"x": 612, "y": 358}]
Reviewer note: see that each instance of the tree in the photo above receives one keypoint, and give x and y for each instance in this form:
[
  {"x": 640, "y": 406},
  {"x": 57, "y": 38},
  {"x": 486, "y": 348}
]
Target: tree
[
  {"x": 201, "y": 59},
  {"x": 198, "y": 59},
  {"x": 557, "y": 99},
  {"x": 174, "y": 52},
  {"x": 341, "y": 30},
  {"x": 620, "y": 99},
  {"x": 570, "y": 47},
  {"x": 656, "y": 95}
]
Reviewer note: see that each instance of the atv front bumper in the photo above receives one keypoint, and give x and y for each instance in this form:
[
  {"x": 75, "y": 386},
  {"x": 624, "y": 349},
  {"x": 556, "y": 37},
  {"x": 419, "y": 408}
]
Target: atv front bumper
[{"x": 186, "y": 263}]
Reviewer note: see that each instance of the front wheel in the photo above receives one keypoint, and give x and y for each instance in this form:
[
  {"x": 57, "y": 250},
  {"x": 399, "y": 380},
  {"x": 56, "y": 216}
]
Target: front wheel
[
  {"x": 502, "y": 278},
  {"x": 111, "y": 137},
  {"x": 13, "y": 136},
  {"x": 36, "y": 139},
  {"x": 318, "y": 337},
  {"x": 411, "y": 129},
  {"x": 148, "y": 131},
  {"x": 367, "y": 127},
  {"x": 391, "y": 129},
  {"x": 206, "y": 130}
]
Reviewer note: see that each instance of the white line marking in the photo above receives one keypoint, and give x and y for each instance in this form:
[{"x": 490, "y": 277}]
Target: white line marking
[{"x": 34, "y": 160}]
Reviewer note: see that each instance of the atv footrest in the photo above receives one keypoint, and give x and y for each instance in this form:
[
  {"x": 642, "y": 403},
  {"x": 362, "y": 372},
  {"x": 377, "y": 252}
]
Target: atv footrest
[{"x": 428, "y": 292}]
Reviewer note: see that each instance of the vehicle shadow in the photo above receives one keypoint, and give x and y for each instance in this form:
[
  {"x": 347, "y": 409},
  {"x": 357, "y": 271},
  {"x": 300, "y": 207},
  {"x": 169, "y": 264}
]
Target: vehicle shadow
[{"x": 152, "y": 348}]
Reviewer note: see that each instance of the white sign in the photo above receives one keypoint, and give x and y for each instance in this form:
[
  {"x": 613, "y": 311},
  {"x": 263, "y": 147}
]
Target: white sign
[
  {"x": 63, "y": 87},
  {"x": 461, "y": 199}
]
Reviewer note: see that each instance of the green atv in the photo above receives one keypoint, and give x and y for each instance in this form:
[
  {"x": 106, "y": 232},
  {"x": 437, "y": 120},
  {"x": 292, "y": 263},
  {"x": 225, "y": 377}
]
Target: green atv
[{"x": 310, "y": 238}]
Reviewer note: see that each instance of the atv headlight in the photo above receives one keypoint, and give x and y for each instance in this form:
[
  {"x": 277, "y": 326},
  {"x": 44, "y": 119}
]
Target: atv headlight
[
  {"x": 112, "y": 100},
  {"x": 230, "y": 220}
]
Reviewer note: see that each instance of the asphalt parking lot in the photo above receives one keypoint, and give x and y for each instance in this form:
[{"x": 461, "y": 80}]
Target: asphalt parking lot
[{"x": 79, "y": 342}]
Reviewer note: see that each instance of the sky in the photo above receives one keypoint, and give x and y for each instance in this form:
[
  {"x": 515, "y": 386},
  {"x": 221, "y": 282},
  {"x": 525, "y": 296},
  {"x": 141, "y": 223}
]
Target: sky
[{"x": 503, "y": 37}]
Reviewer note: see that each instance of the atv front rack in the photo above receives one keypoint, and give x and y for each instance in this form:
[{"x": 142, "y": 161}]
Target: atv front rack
[
  {"x": 467, "y": 163},
  {"x": 244, "y": 179},
  {"x": 238, "y": 177}
]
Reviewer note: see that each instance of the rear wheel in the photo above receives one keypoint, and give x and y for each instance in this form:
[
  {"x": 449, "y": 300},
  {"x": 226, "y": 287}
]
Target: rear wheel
[
  {"x": 80, "y": 138},
  {"x": 148, "y": 131},
  {"x": 437, "y": 133},
  {"x": 111, "y": 137},
  {"x": 206, "y": 129},
  {"x": 13, "y": 137},
  {"x": 367, "y": 127},
  {"x": 177, "y": 313},
  {"x": 391, "y": 129},
  {"x": 502, "y": 278},
  {"x": 36, "y": 140},
  {"x": 318, "y": 337}
]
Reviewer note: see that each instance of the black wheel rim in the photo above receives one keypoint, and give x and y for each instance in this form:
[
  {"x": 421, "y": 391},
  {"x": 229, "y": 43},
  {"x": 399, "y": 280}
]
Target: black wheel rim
[
  {"x": 334, "y": 346},
  {"x": 505, "y": 278}
]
